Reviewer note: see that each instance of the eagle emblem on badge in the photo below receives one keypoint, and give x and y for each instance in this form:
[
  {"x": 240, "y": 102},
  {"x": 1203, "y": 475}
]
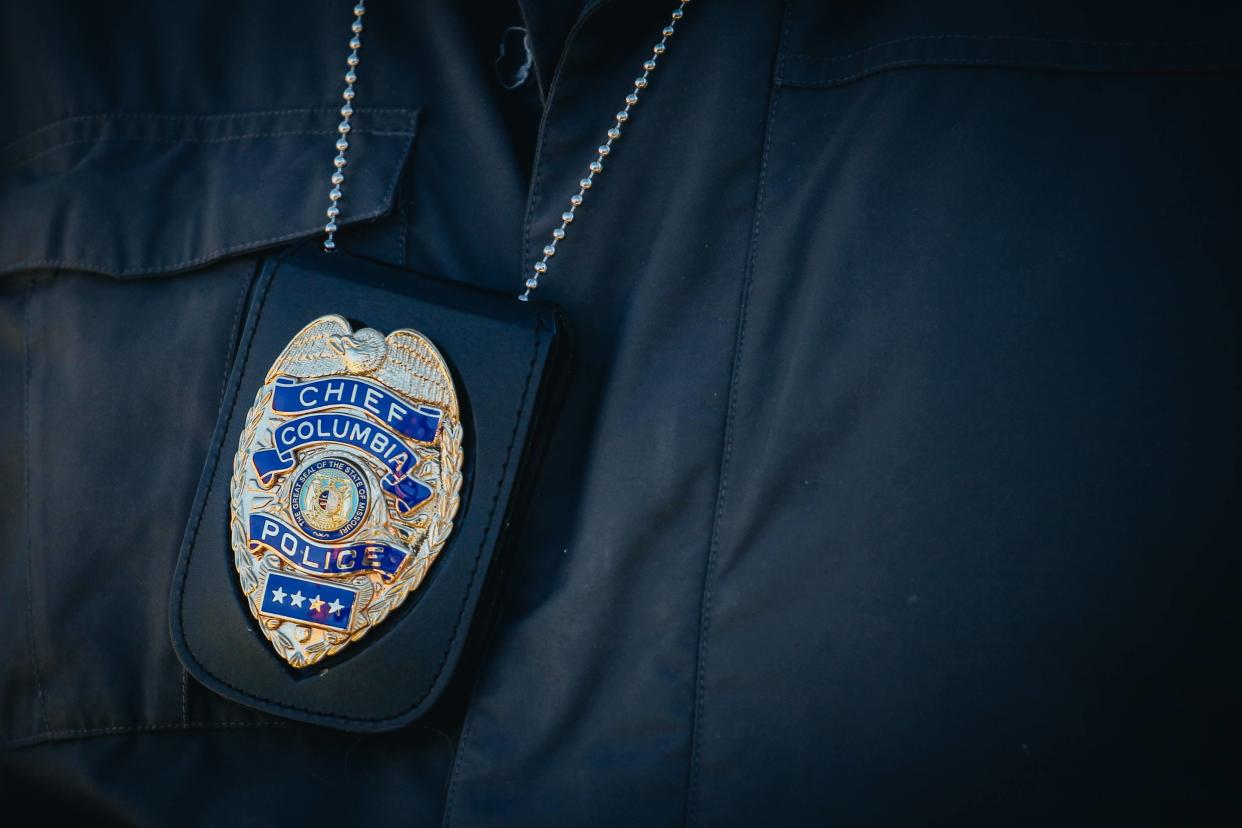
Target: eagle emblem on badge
[{"x": 345, "y": 484}]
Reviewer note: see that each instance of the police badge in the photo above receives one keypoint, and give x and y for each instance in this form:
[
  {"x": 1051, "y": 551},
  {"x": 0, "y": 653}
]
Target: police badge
[
  {"x": 361, "y": 490},
  {"x": 345, "y": 484}
]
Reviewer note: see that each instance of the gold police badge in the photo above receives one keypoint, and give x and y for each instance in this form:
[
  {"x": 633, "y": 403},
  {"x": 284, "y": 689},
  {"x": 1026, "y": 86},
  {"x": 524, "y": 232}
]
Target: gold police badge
[{"x": 345, "y": 484}]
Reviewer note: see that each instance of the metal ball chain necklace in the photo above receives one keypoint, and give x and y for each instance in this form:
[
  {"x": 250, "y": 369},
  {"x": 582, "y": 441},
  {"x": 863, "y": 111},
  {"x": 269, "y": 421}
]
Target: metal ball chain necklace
[{"x": 594, "y": 169}]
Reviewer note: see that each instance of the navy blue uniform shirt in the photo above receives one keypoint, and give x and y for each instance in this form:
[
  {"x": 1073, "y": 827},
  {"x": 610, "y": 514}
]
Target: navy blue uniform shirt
[{"x": 897, "y": 481}]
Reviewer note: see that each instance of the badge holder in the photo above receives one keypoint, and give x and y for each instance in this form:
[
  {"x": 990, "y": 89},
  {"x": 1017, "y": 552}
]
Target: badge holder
[{"x": 376, "y": 434}]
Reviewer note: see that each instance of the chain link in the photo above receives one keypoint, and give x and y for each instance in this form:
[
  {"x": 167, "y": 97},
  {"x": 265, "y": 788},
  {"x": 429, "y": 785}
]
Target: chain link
[
  {"x": 596, "y": 167},
  {"x": 347, "y": 112}
]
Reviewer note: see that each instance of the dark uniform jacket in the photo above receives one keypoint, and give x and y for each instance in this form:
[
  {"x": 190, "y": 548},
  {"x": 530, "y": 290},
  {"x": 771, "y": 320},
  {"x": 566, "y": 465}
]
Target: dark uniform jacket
[{"x": 897, "y": 481}]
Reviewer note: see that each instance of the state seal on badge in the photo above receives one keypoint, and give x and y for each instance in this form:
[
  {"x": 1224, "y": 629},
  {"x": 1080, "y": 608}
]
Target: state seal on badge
[{"x": 345, "y": 485}]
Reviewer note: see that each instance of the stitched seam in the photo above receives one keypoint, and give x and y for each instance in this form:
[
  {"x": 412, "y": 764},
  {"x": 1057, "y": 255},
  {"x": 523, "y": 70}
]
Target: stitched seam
[
  {"x": 491, "y": 514},
  {"x": 385, "y": 201},
  {"x": 181, "y": 139},
  {"x": 536, "y": 174},
  {"x": 1014, "y": 39},
  {"x": 78, "y": 265},
  {"x": 233, "y": 332},
  {"x": 215, "y": 467},
  {"x": 996, "y": 62},
  {"x": 532, "y": 204},
  {"x": 155, "y": 116},
  {"x": 402, "y": 160},
  {"x": 224, "y": 382},
  {"x": 34, "y": 650},
  {"x": 705, "y": 605},
  {"x": 474, "y": 572},
  {"x": 461, "y": 741},
  {"x": 454, "y": 775},
  {"x": 404, "y": 198},
  {"x": 123, "y": 729}
]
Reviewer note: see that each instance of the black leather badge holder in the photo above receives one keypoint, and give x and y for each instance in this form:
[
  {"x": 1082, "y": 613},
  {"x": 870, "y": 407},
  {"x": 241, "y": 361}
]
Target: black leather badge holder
[{"x": 506, "y": 360}]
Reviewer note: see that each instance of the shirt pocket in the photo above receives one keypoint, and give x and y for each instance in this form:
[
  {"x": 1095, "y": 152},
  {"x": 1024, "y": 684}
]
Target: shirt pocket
[
  {"x": 993, "y": 263},
  {"x": 127, "y": 252},
  {"x": 989, "y": 212},
  {"x": 914, "y": 156}
]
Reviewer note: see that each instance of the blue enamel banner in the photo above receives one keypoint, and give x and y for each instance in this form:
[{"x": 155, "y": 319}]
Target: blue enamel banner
[
  {"x": 419, "y": 424},
  {"x": 376, "y": 440},
  {"x": 314, "y": 602},
  {"x": 267, "y": 531}
]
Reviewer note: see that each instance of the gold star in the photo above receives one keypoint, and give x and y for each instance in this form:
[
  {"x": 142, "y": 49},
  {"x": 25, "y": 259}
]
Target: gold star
[{"x": 316, "y": 603}]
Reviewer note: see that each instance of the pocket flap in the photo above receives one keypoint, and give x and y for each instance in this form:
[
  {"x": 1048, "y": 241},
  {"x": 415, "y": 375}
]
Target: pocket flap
[
  {"x": 832, "y": 44},
  {"x": 130, "y": 194}
]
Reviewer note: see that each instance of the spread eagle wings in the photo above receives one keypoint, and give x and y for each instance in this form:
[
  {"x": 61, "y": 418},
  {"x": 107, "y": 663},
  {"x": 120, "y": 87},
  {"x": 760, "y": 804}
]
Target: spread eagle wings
[
  {"x": 404, "y": 360},
  {"x": 414, "y": 368},
  {"x": 310, "y": 353}
]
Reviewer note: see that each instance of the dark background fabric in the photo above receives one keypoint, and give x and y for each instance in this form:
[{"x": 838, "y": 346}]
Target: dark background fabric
[{"x": 898, "y": 481}]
